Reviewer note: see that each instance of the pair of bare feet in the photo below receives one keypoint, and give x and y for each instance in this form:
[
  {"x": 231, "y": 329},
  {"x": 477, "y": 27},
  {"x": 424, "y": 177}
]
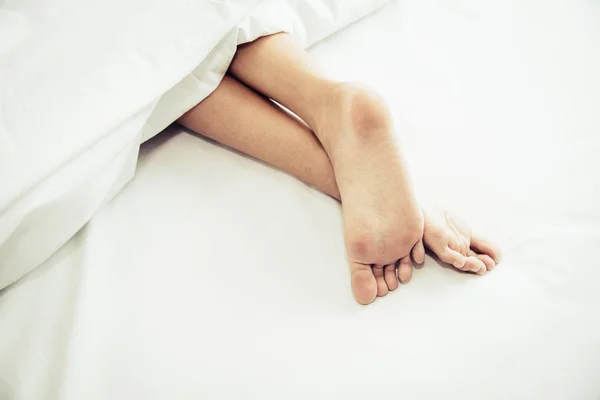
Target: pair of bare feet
[
  {"x": 385, "y": 228},
  {"x": 354, "y": 157}
]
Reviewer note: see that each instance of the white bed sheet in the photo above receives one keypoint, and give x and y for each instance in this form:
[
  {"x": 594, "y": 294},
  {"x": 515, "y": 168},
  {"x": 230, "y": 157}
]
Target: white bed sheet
[{"x": 214, "y": 276}]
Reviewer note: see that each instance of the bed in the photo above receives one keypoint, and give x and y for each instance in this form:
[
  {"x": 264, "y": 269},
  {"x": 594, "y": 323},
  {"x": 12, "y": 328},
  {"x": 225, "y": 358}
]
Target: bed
[{"x": 210, "y": 275}]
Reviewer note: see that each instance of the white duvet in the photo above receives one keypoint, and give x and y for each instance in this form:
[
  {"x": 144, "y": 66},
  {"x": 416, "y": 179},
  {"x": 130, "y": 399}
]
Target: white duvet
[{"x": 83, "y": 83}]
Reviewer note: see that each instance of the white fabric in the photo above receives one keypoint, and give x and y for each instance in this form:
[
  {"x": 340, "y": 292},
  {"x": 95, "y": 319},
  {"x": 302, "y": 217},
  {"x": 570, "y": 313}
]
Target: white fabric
[
  {"x": 214, "y": 276},
  {"x": 82, "y": 83}
]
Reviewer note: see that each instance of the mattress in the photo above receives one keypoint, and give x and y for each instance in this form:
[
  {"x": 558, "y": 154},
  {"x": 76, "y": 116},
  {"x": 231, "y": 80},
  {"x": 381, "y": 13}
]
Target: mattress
[{"x": 211, "y": 275}]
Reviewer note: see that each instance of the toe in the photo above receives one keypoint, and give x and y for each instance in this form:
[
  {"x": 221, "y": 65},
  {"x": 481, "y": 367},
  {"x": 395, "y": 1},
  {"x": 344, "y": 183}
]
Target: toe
[
  {"x": 487, "y": 260},
  {"x": 458, "y": 245},
  {"x": 364, "y": 285},
  {"x": 405, "y": 269},
  {"x": 453, "y": 257},
  {"x": 382, "y": 288},
  {"x": 418, "y": 252},
  {"x": 483, "y": 246},
  {"x": 475, "y": 265},
  {"x": 389, "y": 274}
]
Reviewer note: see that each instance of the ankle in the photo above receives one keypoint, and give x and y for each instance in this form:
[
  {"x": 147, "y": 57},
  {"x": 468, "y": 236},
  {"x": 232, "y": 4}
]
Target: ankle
[
  {"x": 350, "y": 112},
  {"x": 320, "y": 101}
]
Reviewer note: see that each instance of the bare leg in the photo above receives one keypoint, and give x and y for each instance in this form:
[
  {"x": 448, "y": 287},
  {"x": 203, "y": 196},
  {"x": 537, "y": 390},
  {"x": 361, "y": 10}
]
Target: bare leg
[
  {"x": 237, "y": 117},
  {"x": 382, "y": 219}
]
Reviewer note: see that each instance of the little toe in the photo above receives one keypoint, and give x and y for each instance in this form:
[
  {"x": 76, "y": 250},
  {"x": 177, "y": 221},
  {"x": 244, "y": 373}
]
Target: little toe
[
  {"x": 405, "y": 269},
  {"x": 382, "y": 288},
  {"x": 418, "y": 252},
  {"x": 484, "y": 246},
  {"x": 389, "y": 274},
  {"x": 474, "y": 264},
  {"x": 364, "y": 285}
]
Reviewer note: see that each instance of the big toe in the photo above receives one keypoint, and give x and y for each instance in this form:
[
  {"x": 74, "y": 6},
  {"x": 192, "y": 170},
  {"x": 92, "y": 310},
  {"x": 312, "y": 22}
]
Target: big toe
[{"x": 364, "y": 285}]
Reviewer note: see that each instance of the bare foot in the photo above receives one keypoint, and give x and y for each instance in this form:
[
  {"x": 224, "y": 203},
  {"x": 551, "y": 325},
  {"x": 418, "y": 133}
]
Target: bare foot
[
  {"x": 451, "y": 239},
  {"x": 382, "y": 219}
]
